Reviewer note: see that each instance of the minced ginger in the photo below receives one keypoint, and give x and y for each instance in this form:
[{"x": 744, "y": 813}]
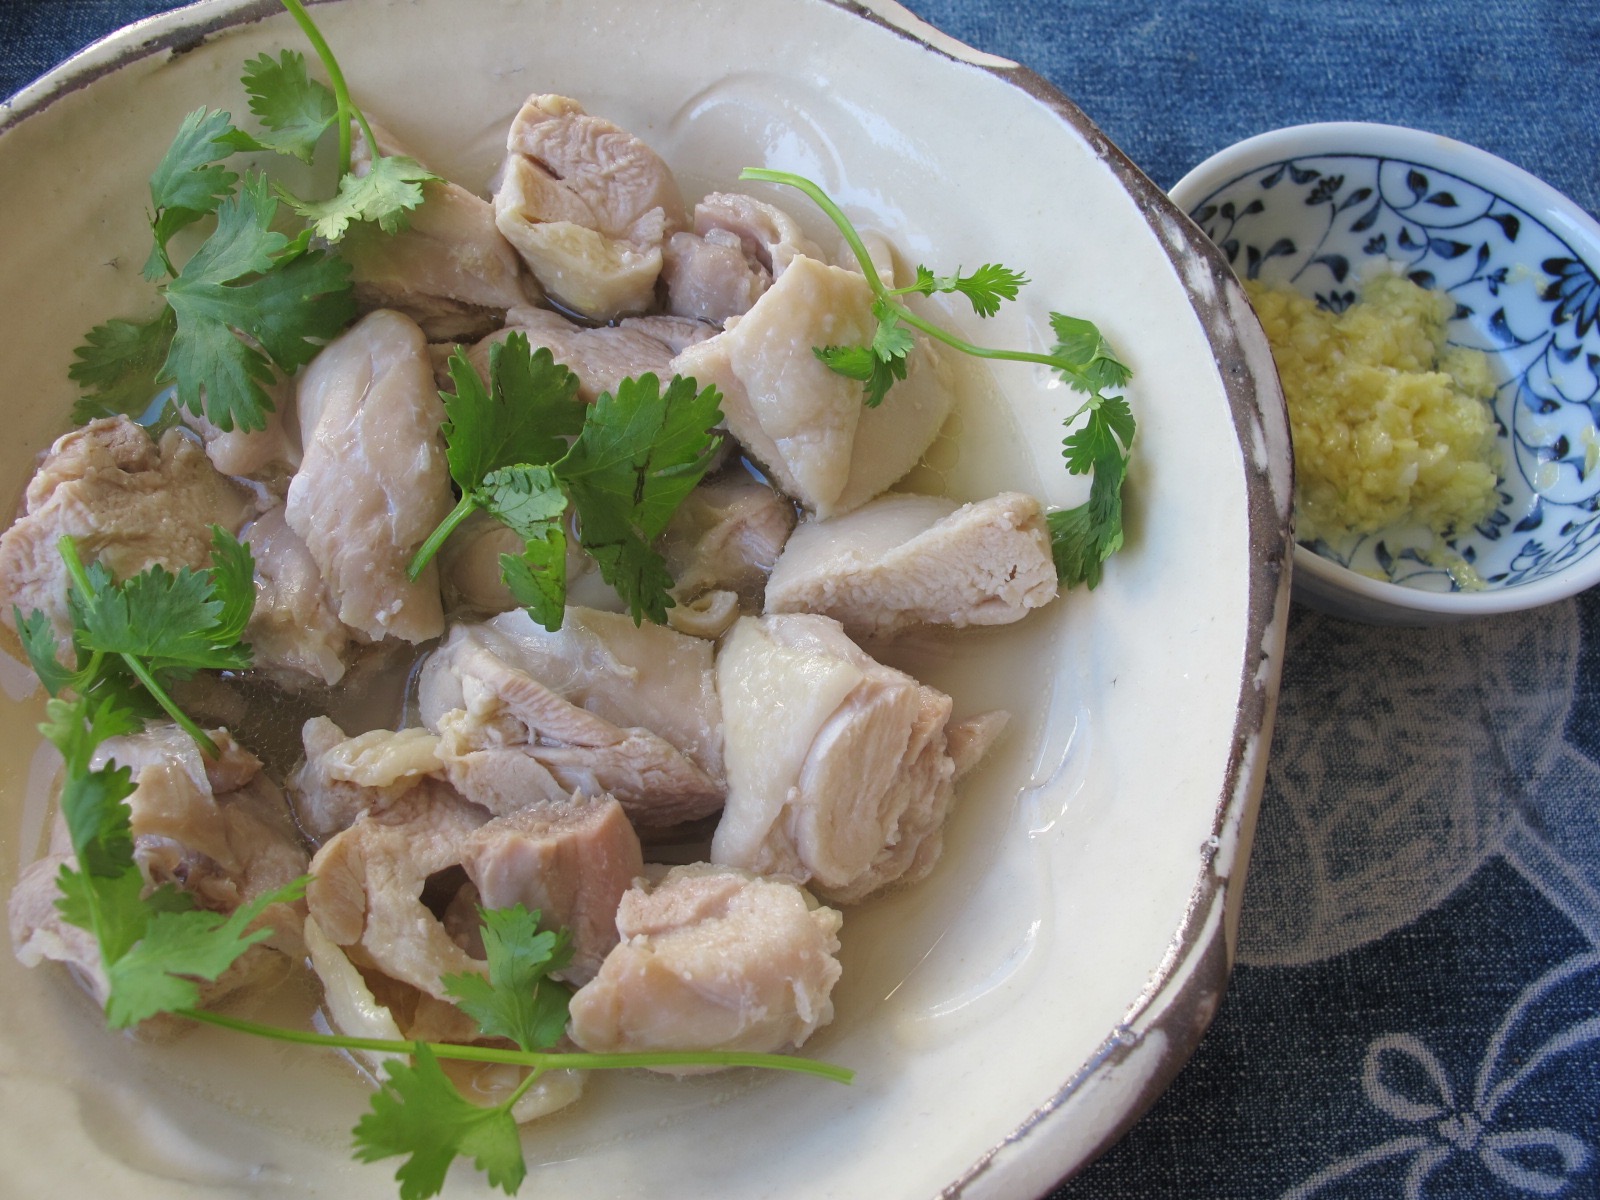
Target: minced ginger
[{"x": 1389, "y": 424}]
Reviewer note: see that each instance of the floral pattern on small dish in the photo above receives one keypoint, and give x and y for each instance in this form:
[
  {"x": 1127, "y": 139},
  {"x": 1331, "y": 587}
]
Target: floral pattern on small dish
[{"x": 1325, "y": 223}]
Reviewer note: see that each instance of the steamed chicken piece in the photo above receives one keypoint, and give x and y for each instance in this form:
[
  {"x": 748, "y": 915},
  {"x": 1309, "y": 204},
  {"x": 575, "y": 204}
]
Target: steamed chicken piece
[
  {"x": 601, "y": 706},
  {"x": 838, "y": 775},
  {"x": 343, "y": 777},
  {"x": 214, "y": 827},
  {"x": 129, "y": 502},
  {"x": 269, "y": 455},
  {"x": 588, "y": 206},
  {"x": 450, "y": 269},
  {"x": 601, "y": 357},
  {"x": 367, "y": 884},
  {"x": 904, "y": 560},
  {"x": 374, "y": 482},
  {"x": 738, "y": 247},
  {"x": 570, "y": 860},
  {"x": 294, "y": 631},
  {"x": 806, "y": 424},
  {"x": 719, "y": 547},
  {"x": 712, "y": 958}
]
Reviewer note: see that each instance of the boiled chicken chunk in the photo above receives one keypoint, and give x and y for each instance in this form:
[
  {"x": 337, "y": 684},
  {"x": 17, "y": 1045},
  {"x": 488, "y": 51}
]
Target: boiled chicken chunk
[
  {"x": 367, "y": 886},
  {"x": 588, "y": 206},
  {"x": 739, "y": 245},
  {"x": 806, "y": 424},
  {"x": 719, "y": 548},
  {"x": 726, "y": 535},
  {"x": 601, "y": 706},
  {"x": 295, "y": 631},
  {"x": 213, "y": 827},
  {"x": 838, "y": 775},
  {"x": 905, "y": 560},
  {"x": 571, "y": 860},
  {"x": 128, "y": 501},
  {"x": 269, "y": 455},
  {"x": 374, "y": 482},
  {"x": 712, "y": 958},
  {"x": 343, "y": 777},
  {"x": 601, "y": 357},
  {"x": 450, "y": 269}
]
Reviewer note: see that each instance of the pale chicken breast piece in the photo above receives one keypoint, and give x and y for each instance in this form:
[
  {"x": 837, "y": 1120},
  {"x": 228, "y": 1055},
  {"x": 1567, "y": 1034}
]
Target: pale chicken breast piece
[
  {"x": 294, "y": 631},
  {"x": 838, "y": 776},
  {"x": 213, "y": 827},
  {"x": 588, "y": 206},
  {"x": 343, "y": 777},
  {"x": 600, "y": 357},
  {"x": 367, "y": 886},
  {"x": 601, "y": 706},
  {"x": 128, "y": 501},
  {"x": 570, "y": 860},
  {"x": 719, "y": 547},
  {"x": 738, "y": 247},
  {"x": 905, "y": 560},
  {"x": 450, "y": 269},
  {"x": 712, "y": 958},
  {"x": 269, "y": 455},
  {"x": 804, "y": 423},
  {"x": 374, "y": 482}
]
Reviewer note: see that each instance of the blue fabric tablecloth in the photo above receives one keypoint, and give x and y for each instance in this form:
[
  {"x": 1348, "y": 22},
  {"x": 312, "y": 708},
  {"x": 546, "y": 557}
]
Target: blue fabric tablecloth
[{"x": 1417, "y": 1007}]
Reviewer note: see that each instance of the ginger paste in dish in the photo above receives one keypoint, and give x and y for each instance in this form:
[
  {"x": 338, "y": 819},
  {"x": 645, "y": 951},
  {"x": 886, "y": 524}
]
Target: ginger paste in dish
[{"x": 1389, "y": 423}]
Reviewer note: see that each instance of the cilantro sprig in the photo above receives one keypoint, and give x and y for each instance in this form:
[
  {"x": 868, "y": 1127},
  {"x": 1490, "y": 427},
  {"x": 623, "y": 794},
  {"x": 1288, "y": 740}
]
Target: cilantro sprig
[
  {"x": 251, "y": 300},
  {"x": 633, "y": 457},
  {"x": 130, "y": 640},
  {"x": 1082, "y": 538}
]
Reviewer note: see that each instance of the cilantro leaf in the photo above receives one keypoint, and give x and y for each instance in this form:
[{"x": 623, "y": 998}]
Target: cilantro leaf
[
  {"x": 1096, "y": 440},
  {"x": 38, "y": 638},
  {"x": 984, "y": 288},
  {"x": 390, "y": 187},
  {"x": 419, "y": 1113},
  {"x": 537, "y": 578},
  {"x": 863, "y": 364},
  {"x": 235, "y": 285},
  {"x": 1088, "y": 362},
  {"x": 524, "y": 416},
  {"x": 160, "y": 972},
  {"x": 159, "y": 624},
  {"x": 190, "y": 181},
  {"x": 518, "y": 1000},
  {"x": 1082, "y": 538},
  {"x": 296, "y": 110},
  {"x": 167, "y": 620},
  {"x": 117, "y": 366},
  {"x": 640, "y": 453}
]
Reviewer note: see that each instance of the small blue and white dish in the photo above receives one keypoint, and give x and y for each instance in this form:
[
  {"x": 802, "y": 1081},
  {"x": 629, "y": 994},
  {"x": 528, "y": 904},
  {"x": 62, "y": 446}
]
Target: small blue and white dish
[{"x": 1322, "y": 209}]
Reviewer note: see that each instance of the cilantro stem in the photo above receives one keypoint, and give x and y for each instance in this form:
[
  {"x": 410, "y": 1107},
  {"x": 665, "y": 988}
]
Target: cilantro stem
[
  {"x": 887, "y": 296},
  {"x": 538, "y": 1060},
  {"x": 464, "y": 508},
  {"x": 80, "y": 580},
  {"x": 341, "y": 90}
]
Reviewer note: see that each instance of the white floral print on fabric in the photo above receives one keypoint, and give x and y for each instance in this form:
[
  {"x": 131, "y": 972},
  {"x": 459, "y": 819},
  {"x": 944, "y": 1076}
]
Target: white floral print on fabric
[
  {"x": 1447, "y": 749},
  {"x": 1554, "y": 1018}
]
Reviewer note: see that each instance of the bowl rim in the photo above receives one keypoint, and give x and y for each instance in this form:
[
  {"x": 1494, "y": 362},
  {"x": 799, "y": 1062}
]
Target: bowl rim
[{"x": 1560, "y": 214}]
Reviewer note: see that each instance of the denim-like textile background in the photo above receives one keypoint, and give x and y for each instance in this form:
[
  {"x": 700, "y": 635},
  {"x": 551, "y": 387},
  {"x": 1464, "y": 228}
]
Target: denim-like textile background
[{"x": 1417, "y": 1007}]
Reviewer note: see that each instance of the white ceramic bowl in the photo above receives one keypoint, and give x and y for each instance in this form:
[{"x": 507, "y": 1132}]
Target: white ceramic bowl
[
  {"x": 1012, "y": 1014},
  {"x": 1321, "y": 208}
]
